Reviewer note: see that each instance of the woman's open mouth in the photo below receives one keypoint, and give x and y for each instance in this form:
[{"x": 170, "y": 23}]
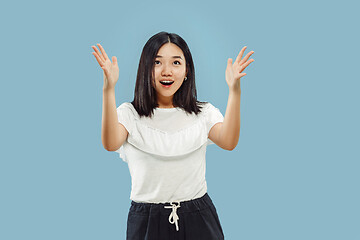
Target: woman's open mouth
[{"x": 166, "y": 84}]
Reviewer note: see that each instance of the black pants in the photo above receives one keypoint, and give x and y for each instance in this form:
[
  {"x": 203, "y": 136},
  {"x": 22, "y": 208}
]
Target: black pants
[{"x": 195, "y": 219}]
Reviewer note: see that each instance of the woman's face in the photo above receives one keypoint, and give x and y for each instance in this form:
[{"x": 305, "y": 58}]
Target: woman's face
[{"x": 169, "y": 65}]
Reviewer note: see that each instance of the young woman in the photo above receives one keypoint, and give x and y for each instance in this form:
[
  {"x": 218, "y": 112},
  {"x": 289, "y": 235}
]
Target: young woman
[{"x": 162, "y": 135}]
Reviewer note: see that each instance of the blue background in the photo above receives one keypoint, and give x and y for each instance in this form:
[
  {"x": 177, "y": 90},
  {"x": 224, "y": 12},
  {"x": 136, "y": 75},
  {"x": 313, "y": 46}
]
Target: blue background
[{"x": 295, "y": 172}]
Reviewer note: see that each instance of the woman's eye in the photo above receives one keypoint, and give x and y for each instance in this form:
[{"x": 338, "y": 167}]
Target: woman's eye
[{"x": 158, "y": 62}]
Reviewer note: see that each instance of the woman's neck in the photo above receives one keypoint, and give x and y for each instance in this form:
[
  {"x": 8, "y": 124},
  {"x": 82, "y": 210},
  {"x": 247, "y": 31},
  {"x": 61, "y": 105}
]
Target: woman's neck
[
  {"x": 165, "y": 103},
  {"x": 169, "y": 106}
]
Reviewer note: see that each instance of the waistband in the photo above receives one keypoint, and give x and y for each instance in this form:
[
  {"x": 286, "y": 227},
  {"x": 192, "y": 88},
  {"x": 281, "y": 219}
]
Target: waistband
[
  {"x": 185, "y": 206},
  {"x": 176, "y": 207}
]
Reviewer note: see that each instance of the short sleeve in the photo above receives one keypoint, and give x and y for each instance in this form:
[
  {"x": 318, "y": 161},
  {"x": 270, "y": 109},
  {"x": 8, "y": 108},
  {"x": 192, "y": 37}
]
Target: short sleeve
[
  {"x": 212, "y": 116},
  {"x": 125, "y": 117}
]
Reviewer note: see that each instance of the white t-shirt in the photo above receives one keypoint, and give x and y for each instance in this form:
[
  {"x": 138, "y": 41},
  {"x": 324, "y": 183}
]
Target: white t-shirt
[{"x": 166, "y": 153}]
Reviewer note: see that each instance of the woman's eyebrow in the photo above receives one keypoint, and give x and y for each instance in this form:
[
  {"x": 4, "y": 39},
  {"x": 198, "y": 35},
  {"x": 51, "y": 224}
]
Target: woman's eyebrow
[{"x": 172, "y": 56}]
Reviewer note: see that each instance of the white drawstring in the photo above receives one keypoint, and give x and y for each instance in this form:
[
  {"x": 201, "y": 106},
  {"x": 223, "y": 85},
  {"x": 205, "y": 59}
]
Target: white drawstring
[{"x": 173, "y": 214}]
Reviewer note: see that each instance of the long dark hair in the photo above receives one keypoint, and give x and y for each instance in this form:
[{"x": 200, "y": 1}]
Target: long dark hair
[{"x": 145, "y": 99}]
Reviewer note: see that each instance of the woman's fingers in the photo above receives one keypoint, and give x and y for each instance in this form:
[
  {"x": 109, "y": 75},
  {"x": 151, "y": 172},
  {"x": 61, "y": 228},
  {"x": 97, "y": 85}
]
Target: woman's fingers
[
  {"x": 240, "y": 55},
  {"x": 246, "y": 64},
  {"x": 101, "y": 57},
  {"x": 101, "y": 63},
  {"x": 103, "y": 51},
  {"x": 246, "y": 57}
]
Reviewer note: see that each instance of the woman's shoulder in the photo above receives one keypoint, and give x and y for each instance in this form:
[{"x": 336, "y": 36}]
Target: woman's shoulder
[
  {"x": 126, "y": 105},
  {"x": 207, "y": 106},
  {"x": 210, "y": 111},
  {"x": 128, "y": 108}
]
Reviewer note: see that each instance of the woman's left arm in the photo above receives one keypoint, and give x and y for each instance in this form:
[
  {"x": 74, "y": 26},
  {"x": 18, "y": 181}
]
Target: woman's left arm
[{"x": 226, "y": 134}]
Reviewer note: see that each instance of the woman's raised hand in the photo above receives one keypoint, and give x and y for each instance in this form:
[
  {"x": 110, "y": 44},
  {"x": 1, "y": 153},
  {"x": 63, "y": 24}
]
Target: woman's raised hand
[
  {"x": 111, "y": 69},
  {"x": 234, "y": 71}
]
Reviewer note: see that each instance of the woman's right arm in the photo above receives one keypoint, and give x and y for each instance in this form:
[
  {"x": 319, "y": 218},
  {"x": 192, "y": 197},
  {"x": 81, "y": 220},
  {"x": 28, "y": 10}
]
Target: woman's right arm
[{"x": 113, "y": 133}]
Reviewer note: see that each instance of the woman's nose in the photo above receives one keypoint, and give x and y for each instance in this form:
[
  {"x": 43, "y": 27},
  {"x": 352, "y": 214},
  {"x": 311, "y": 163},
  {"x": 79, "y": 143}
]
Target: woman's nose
[{"x": 166, "y": 70}]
